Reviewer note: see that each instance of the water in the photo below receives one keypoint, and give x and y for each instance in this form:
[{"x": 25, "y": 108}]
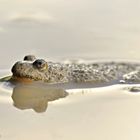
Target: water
[
  {"x": 69, "y": 29},
  {"x": 61, "y": 30}
]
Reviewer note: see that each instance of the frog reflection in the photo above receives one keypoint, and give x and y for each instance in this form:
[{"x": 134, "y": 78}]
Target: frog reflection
[{"x": 35, "y": 97}]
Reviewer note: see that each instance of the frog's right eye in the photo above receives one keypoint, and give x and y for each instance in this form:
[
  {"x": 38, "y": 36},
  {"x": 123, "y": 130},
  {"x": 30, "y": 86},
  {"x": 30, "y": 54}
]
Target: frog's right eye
[
  {"x": 29, "y": 58},
  {"x": 40, "y": 64}
]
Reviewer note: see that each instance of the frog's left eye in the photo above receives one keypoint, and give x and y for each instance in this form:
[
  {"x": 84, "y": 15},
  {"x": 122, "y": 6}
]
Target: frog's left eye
[
  {"x": 40, "y": 64},
  {"x": 29, "y": 58}
]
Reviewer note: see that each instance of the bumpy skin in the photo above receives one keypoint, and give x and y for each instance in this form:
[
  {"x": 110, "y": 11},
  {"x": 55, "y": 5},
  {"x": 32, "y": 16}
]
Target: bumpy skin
[{"x": 40, "y": 70}]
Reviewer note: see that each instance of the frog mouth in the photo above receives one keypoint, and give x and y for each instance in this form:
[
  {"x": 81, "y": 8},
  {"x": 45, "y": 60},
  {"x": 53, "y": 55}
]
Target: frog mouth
[{"x": 22, "y": 79}]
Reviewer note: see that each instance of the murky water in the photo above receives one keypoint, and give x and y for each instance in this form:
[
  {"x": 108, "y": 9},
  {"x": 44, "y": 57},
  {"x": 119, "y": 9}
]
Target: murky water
[{"x": 61, "y": 30}]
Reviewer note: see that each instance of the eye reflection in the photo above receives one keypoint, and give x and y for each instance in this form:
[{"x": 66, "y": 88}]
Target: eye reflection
[{"x": 35, "y": 97}]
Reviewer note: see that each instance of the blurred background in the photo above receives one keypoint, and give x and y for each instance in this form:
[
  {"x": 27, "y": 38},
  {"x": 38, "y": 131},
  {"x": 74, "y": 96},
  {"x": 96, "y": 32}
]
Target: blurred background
[{"x": 69, "y": 29}]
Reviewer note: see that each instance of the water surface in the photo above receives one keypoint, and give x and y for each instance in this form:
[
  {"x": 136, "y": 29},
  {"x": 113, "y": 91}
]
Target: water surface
[{"x": 62, "y": 30}]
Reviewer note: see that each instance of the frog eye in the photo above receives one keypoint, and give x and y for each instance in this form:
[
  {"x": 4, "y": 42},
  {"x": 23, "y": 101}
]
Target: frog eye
[
  {"x": 29, "y": 58},
  {"x": 40, "y": 64}
]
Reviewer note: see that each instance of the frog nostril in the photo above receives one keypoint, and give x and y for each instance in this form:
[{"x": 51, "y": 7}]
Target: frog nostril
[{"x": 15, "y": 67}]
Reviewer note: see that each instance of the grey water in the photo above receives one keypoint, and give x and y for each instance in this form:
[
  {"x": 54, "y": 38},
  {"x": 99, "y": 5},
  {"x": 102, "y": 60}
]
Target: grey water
[
  {"x": 62, "y": 30},
  {"x": 58, "y": 30}
]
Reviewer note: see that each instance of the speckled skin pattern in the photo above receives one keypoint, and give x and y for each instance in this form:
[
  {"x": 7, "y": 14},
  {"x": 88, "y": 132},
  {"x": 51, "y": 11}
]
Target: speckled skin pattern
[{"x": 40, "y": 70}]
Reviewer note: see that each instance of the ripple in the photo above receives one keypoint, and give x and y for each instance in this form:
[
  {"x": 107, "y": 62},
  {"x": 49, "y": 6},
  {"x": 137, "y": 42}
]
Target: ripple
[{"x": 27, "y": 17}]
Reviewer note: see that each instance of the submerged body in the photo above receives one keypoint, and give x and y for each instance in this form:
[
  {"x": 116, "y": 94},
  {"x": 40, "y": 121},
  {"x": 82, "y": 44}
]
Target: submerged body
[{"x": 40, "y": 70}]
